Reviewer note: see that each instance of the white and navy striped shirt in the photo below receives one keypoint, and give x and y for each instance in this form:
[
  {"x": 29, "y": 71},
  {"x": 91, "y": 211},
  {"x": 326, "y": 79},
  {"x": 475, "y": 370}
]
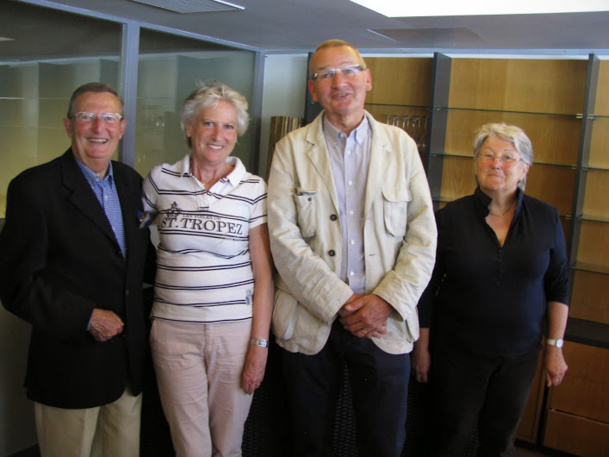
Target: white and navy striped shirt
[{"x": 204, "y": 271}]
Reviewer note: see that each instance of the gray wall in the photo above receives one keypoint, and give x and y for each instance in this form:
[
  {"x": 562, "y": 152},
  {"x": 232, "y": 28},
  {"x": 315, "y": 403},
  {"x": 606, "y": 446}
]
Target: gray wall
[{"x": 17, "y": 430}]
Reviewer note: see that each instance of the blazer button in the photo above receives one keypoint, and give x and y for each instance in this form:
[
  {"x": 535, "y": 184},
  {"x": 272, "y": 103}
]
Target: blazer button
[
  {"x": 331, "y": 253},
  {"x": 333, "y": 217}
]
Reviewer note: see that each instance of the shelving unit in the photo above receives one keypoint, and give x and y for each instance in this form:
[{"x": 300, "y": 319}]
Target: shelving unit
[
  {"x": 590, "y": 254},
  {"x": 577, "y": 418}
]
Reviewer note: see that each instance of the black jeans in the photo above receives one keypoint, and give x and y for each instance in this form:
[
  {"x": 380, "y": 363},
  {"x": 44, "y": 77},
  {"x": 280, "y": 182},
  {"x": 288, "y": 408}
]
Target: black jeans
[
  {"x": 470, "y": 391},
  {"x": 379, "y": 387}
]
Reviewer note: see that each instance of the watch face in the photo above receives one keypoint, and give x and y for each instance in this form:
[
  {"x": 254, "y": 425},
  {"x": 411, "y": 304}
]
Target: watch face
[{"x": 559, "y": 343}]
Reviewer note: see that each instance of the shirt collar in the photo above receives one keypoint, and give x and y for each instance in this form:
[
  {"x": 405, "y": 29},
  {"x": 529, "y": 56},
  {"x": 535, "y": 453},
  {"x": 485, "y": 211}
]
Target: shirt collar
[
  {"x": 482, "y": 201},
  {"x": 183, "y": 167},
  {"x": 234, "y": 177},
  {"x": 359, "y": 135},
  {"x": 92, "y": 178}
]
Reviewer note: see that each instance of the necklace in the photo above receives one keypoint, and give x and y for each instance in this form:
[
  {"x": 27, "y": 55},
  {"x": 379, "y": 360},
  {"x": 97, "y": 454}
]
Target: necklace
[
  {"x": 211, "y": 182},
  {"x": 503, "y": 214}
]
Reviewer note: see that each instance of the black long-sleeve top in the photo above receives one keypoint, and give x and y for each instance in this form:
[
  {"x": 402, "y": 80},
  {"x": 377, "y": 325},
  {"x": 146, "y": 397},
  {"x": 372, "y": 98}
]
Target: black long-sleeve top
[{"x": 490, "y": 299}]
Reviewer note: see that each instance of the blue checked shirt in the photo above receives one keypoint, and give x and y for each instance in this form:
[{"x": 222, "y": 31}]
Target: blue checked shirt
[{"x": 105, "y": 191}]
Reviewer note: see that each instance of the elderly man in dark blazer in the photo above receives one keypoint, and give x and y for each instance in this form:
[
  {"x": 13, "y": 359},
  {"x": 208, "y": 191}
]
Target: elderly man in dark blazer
[{"x": 73, "y": 256}]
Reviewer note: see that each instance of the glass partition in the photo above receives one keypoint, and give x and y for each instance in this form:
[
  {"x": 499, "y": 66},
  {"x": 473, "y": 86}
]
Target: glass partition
[
  {"x": 169, "y": 69},
  {"x": 45, "y": 54},
  {"x": 38, "y": 76}
]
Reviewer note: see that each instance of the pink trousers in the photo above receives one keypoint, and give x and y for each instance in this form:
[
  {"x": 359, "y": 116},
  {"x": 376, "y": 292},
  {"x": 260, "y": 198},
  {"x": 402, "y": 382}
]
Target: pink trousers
[{"x": 199, "y": 368}]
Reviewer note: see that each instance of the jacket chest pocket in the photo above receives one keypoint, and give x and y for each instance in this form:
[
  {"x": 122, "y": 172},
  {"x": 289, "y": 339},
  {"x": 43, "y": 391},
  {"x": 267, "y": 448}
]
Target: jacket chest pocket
[
  {"x": 306, "y": 203},
  {"x": 395, "y": 210}
]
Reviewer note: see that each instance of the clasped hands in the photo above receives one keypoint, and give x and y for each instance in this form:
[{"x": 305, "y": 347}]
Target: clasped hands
[
  {"x": 365, "y": 316},
  {"x": 105, "y": 325}
]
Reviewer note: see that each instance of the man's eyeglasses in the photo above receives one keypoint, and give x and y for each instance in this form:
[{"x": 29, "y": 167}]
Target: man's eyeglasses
[
  {"x": 347, "y": 72},
  {"x": 506, "y": 158},
  {"x": 88, "y": 118}
]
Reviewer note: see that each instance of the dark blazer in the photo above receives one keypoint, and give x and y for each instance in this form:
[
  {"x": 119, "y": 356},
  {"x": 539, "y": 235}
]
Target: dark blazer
[{"x": 59, "y": 259}]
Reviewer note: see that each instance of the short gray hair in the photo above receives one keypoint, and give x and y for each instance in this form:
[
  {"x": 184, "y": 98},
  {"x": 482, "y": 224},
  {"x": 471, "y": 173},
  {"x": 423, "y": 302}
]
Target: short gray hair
[
  {"x": 208, "y": 95},
  {"x": 511, "y": 133},
  {"x": 336, "y": 43},
  {"x": 94, "y": 87}
]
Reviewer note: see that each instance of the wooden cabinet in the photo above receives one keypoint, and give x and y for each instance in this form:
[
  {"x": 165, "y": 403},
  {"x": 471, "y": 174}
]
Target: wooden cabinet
[{"x": 578, "y": 409}]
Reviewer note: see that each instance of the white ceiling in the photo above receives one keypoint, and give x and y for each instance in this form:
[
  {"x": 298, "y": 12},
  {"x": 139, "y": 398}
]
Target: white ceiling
[{"x": 300, "y": 25}]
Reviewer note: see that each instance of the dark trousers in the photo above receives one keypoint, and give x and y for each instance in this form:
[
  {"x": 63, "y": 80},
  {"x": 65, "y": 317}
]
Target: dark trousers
[
  {"x": 469, "y": 390},
  {"x": 379, "y": 388}
]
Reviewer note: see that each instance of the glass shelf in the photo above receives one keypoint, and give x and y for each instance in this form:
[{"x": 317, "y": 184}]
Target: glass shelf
[
  {"x": 593, "y": 218},
  {"x": 594, "y": 168},
  {"x": 592, "y": 268},
  {"x": 424, "y": 107},
  {"x": 577, "y": 116}
]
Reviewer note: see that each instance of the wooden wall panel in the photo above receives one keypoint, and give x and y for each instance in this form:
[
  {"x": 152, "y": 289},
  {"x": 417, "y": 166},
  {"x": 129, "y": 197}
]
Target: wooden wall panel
[
  {"x": 590, "y": 297},
  {"x": 553, "y": 185},
  {"x": 543, "y": 86},
  {"x": 593, "y": 243},
  {"x": 457, "y": 177},
  {"x": 400, "y": 81},
  {"x": 596, "y": 201},
  {"x": 555, "y": 138}
]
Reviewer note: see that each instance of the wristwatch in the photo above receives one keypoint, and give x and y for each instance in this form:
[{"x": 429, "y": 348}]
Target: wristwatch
[
  {"x": 558, "y": 343},
  {"x": 262, "y": 343}
]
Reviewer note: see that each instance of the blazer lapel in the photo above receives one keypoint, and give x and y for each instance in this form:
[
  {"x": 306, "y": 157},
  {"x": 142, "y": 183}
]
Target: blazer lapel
[{"x": 82, "y": 196}]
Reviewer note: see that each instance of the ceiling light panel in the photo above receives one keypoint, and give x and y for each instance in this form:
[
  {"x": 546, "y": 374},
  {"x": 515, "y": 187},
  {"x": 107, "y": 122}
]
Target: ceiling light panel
[
  {"x": 393, "y": 8},
  {"x": 192, "y": 6}
]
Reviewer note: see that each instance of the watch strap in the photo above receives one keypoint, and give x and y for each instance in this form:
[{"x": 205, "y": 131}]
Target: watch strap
[
  {"x": 259, "y": 342},
  {"x": 552, "y": 342}
]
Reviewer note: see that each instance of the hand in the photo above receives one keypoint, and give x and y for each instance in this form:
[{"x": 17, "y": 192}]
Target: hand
[
  {"x": 253, "y": 371},
  {"x": 105, "y": 325},
  {"x": 365, "y": 316},
  {"x": 421, "y": 357},
  {"x": 351, "y": 305},
  {"x": 421, "y": 361},
  {"x": 555, "y": 366}
]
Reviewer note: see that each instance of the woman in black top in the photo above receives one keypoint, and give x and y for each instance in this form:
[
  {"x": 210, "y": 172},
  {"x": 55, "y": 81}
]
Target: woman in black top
[{"x": 500, "y": 281}]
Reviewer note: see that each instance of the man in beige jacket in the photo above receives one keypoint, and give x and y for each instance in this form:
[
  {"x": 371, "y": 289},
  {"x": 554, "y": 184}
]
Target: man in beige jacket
[{"x": 353, "y": 239}]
